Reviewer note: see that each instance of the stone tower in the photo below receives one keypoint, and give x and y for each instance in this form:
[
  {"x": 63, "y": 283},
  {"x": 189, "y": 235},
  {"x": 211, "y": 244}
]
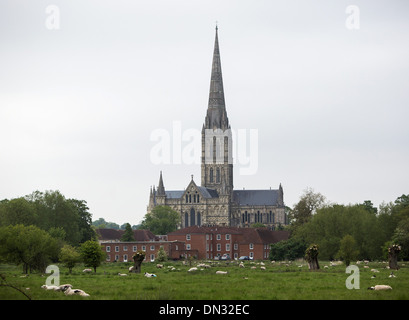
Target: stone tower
[{"x": 217, "y": 162}]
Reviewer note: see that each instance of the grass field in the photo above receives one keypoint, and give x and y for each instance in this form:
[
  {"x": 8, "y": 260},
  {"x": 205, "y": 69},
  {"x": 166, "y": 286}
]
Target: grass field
[{"x": 278, "y": 282}]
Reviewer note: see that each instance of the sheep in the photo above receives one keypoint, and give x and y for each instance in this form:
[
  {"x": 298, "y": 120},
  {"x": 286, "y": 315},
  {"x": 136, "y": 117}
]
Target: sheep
[
  {"x": 122, "y": 274},
  {"x": 380, "y": 287},
  {"x": 159, "y": 266},
  {"x": 263, "y": 268},
  {"x": 241, "y": 265},
  {"x": 392, "y": 275},
  {"x": 192, "y": 269},
  {"x": 87, "y": 270},
  {"x": 131, "y": 269},
  {"x": 69, "y": 292},
  {"x": 150, "y": 275},
  {"x": 221, "y": 272},
  {"x": 374, "y": 270}
]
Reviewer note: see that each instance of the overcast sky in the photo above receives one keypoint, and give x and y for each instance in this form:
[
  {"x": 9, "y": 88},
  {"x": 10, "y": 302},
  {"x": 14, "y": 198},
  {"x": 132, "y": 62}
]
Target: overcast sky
[{"x": 85, "y": 86}]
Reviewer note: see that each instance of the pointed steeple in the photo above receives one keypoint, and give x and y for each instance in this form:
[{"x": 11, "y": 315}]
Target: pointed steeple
[
  {"x": 216, "y": 117},
  {"x": 161, "y": 188}
]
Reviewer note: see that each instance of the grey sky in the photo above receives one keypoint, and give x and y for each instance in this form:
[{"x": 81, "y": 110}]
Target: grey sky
[{"x": 78, "y": 104}]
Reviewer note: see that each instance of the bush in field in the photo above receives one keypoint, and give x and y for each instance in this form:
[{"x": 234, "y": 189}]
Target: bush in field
[
  {"x": 69, "y": 256},
  {"x": 92, "y": 254},
  {"x": 290, "y": 249}
]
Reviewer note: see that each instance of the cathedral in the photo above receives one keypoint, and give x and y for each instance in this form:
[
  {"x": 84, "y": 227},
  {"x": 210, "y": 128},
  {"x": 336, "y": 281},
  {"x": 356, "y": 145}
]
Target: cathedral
[{"x": 215, "y": 202}]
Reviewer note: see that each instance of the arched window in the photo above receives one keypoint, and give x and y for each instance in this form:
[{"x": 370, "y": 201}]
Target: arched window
[
  {"x": 211, "y": 174},
  {"x": 197, "y": 198},
  {"x": 187, "y": 198},
  {"x": 194, "y": 198},
  {"x": 190, "y": 198},
  {"x": 199, "y": 219},
  {"x": 186, "y": 220},
  {"x": 192, "y": 217},
  {"x": 218, "y": 175}
]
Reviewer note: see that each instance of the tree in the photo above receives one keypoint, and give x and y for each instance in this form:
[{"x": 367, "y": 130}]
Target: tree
[
  {"x": 347, "y": 250},
  {"x": 393, "y": 252},
  {"x": 290, "y": 249},
  {"x": 128, "y": 234},
  {"x": 162, "y": 256},
  {"x": 138, "y": 257},
  {"x": 161, "y": 220},
  {"x": 27, "y": 245},
  {"x": 69, "y": 256},
  {"x": 92, "y": 254},
  {"x": 305, "y": 208},
  {"x": 311, "y": 256},
  {"x": 17, "y": 211}
]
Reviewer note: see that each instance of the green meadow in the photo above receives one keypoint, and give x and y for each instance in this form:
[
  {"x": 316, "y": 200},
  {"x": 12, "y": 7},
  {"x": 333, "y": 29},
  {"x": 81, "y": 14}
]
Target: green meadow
[{"x": 279, "y": 281}]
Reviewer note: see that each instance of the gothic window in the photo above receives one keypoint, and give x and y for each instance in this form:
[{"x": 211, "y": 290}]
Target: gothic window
[
  {"x": 192, "y": 217},
  {"x": 187, "y": 198},
  {"x": 217, "y": 175},
  {"x": 199, "y": 219},
  {"x": 194, "y": 198},
  {"x": 211, "y": 174},
  {"x": 197, "y": 198},
  {"x": 190, "y": 198},
  {"x": 186, "y": 220}
]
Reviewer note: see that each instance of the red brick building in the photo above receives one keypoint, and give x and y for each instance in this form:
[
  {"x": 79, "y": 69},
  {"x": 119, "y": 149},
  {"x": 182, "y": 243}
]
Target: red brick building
[
  {"x": 216, "y": 241},
  {"x": 200, "y": 242},
  {"x": 145, "y": 240}
]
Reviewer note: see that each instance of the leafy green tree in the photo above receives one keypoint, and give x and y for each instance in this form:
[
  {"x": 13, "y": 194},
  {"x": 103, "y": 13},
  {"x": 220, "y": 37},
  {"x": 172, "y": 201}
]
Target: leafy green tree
[
  {"x": 347, "y": 250},
  {"x": 128, "y": 234},
  {"x": 305, "y": 208},
  {"x": 92, "y": 254},
  {"x": 161, "y": 220},
  {"x": 290, "y": 249},
  {"x": 69, "y": 256},
  {"x": 17, "y": 211},
  {"x": 162, "y": 256},
  {"x": 27, "y": 245}
]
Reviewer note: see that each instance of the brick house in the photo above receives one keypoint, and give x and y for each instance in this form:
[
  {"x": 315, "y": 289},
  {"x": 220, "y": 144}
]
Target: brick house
[
  {"x": 214, "y": 241},
  {"x": 145, "y": 240}
]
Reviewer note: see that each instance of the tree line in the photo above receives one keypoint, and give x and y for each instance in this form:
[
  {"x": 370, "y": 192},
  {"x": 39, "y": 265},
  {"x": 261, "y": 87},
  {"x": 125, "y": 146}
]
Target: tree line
[
  {"x": 46, "y": 227},
  {"x": 354, "y": 231}
]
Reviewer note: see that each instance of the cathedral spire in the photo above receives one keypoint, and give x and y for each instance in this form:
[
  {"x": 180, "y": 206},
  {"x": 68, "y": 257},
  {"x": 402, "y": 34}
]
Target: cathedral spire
[
  {"x": 161, "y": 188},
  {"x": 216, "y": 117}
]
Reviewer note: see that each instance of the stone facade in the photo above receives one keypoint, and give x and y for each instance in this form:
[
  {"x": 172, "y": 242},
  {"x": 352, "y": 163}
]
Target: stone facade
[{"x": 216, "y": 202}]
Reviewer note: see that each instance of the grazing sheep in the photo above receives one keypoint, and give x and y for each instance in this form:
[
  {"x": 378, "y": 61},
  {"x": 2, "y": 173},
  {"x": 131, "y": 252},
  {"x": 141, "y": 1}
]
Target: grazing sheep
[
  {"x": 392, "y": 275},
  {"x": 241, "y": 265},
  {"x": 122, "y": 274},
  {"x": 150, "y": 275},
  {"x": 69, "y": 292},
  {"x": 192, "y": 269},
  {"x": 221, "y": 272},
  {"x": 380, "y": 287},
  {"x": 263, "y": 268},
  {"x": 253, "y": 267},
  {"x": 131, "y": 268},
  {"x": 374, "y": 270},
  {"x": 87, "y": 270},
  {"x": 159, "y": 266}
]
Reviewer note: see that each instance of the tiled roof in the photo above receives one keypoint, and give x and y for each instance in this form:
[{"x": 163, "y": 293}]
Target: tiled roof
[
  {"x": 113, "y": 234},
  {"x": 256, "y": 197},
  {"x": 250, "y": 235}
]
